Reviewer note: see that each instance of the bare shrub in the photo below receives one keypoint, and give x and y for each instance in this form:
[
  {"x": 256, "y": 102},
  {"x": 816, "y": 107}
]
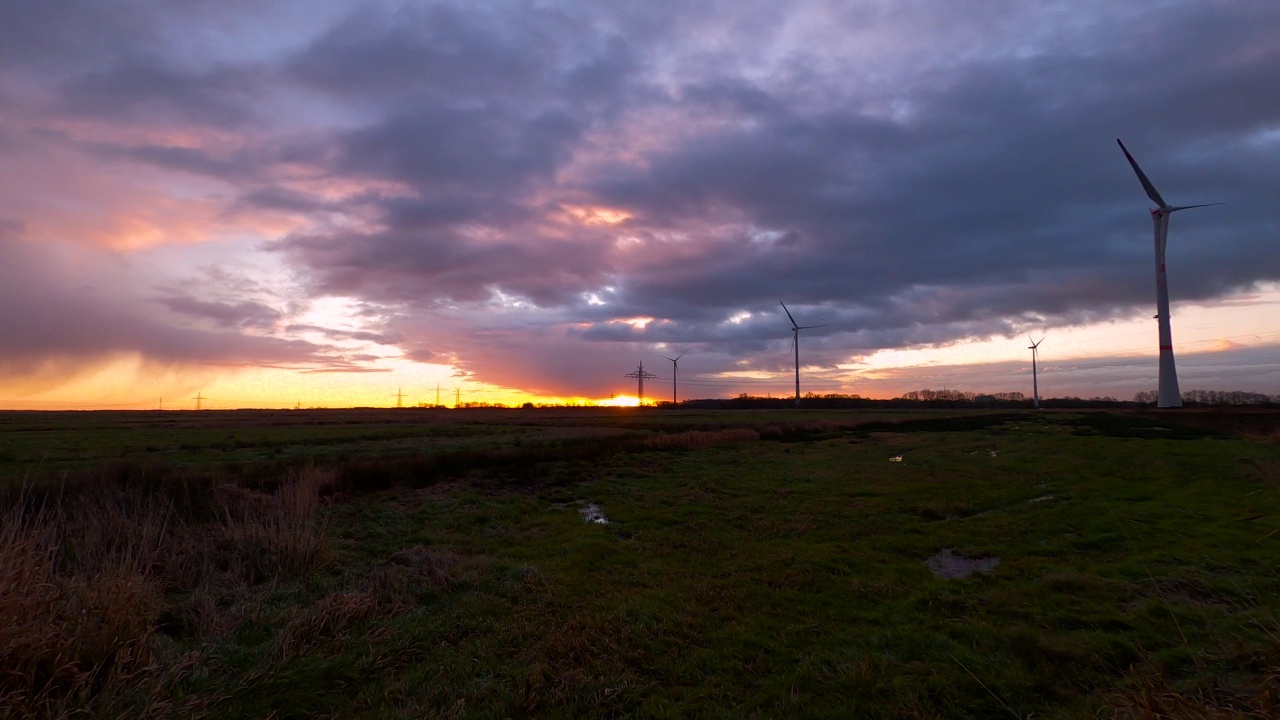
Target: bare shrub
[
  {"x": 90, "y": 571},
  {"x": 78, "y": 606},
  {"x": 695, "y": 439}
]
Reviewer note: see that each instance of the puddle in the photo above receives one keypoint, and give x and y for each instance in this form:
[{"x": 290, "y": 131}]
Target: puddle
[
  {"x": 953, "y": 567},
  {"x": 1042, "y": 498},
  {"x": 896, "y": 458},
  {"x": 591, "y": 513}
]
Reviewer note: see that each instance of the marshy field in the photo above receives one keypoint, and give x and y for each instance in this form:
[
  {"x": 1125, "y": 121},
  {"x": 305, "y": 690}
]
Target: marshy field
[{"x": 640, "y": 563}]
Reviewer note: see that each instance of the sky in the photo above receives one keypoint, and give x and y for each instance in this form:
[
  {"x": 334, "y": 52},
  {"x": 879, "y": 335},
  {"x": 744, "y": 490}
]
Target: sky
[{"x": 272, "y": 204}]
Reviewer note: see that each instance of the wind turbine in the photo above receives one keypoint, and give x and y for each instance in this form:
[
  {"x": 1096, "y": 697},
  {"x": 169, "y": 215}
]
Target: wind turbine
[
  {"x": 1169, "y": 396},
  {"x": 675, "y": 372},
  {"x": 795, "y": 344},
  {"x": 1035, "y": 385}
]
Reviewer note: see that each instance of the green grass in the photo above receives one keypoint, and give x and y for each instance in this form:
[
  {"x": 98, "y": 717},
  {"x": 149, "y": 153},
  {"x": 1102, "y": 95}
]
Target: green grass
[{"x": 779, "y": 577}]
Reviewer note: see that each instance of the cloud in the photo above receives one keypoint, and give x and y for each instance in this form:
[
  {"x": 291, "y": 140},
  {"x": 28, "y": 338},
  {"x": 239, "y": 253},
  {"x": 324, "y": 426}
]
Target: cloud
[
  {"x": 231, "y": 315},
  {"x": 60, "y": 302},
  {"x": 514, "y": 183}
]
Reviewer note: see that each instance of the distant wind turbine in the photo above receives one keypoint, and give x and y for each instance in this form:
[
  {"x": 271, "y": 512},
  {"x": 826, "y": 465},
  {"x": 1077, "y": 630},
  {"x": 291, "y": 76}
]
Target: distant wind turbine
[
  {"x": 1035, "y": 385},
  {"x": 795, "y": 344},
  {"x": 1169, "y": 396},
  {"x": 675, "y": 373}
]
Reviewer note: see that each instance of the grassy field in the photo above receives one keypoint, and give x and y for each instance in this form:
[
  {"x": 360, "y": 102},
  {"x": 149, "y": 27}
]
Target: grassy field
[{"x": 406, "y": 564}]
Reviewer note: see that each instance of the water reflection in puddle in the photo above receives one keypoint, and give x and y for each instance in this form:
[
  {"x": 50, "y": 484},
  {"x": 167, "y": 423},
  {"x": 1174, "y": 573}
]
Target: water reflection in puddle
[
  {"x": 953, "y": 567},
  {"x": 591, "y": 513}
]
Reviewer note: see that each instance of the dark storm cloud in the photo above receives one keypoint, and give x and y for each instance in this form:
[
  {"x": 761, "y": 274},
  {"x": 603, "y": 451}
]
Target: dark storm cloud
[
  {"x": 429, "y": 267},
  {"x": 461, "y": 148},
  {"x": 143, "y": 89},
  {"x": 518, "y": 52}
]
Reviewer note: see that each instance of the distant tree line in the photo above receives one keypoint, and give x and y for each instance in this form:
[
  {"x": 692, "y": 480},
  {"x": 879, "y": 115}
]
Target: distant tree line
[
  {"x": 934, "y": 399},
  {"x": 960, "y": 398},
  {"x": 1212, "y": 397}
]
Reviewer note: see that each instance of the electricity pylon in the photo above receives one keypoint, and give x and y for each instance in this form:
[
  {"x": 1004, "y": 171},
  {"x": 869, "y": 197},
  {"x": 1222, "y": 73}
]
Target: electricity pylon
[{"x": 640, "y": 374}]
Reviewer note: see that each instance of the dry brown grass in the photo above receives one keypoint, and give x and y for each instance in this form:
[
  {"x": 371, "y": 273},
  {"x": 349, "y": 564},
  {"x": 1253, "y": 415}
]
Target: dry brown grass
[
  {"x": 330, "y": 617},
  {"x": 694, "y": 439},
  {"x": 1153, "y": 699},
  {"x": 276, "y": 535},
  {"x": 90, "y": 573}
]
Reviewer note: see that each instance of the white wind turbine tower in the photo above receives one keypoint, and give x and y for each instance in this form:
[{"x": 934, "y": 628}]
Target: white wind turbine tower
[
  {"x": 1170, "y": 397},
  {"x": 1035, "y": 385},
  {"x": 795, "y": 344},
  {"x": 675, "y": 373}
]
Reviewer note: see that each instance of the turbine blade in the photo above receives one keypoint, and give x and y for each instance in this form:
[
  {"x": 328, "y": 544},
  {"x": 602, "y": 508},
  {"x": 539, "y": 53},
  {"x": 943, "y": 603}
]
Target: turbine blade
[
  {"x": 681, "y": 354},
  {"x": 1188, "y": 207},
  {"x": 810, "y": 327},
  {"x": 664, "y": 357},
  {"x": 1142, "y": 177},
  {"x": 788, "y": 312}
]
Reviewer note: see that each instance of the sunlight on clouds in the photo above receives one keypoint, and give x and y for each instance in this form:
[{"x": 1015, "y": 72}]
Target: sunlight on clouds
[
  {"x": 336, "y": 313},
  {"x": 638, "y": 323},
  {"x": 595, "y": 297},
  {"x": 597, "y": 215},
  {"x": 747, "y": 375},
  {"x": 1212, "y": 327},
  {"x": 504, "y": 300}
]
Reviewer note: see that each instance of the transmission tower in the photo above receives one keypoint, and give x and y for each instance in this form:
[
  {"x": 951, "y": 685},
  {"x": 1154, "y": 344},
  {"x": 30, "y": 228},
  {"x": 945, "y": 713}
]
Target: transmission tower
[
  {"x": 199, "y": 398},
  {"x": 399, "y": 396},
  {"x": 457, "y": 397},
  {"x": 640, "y": 374},
  {"x": 437, "y": 394}
]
